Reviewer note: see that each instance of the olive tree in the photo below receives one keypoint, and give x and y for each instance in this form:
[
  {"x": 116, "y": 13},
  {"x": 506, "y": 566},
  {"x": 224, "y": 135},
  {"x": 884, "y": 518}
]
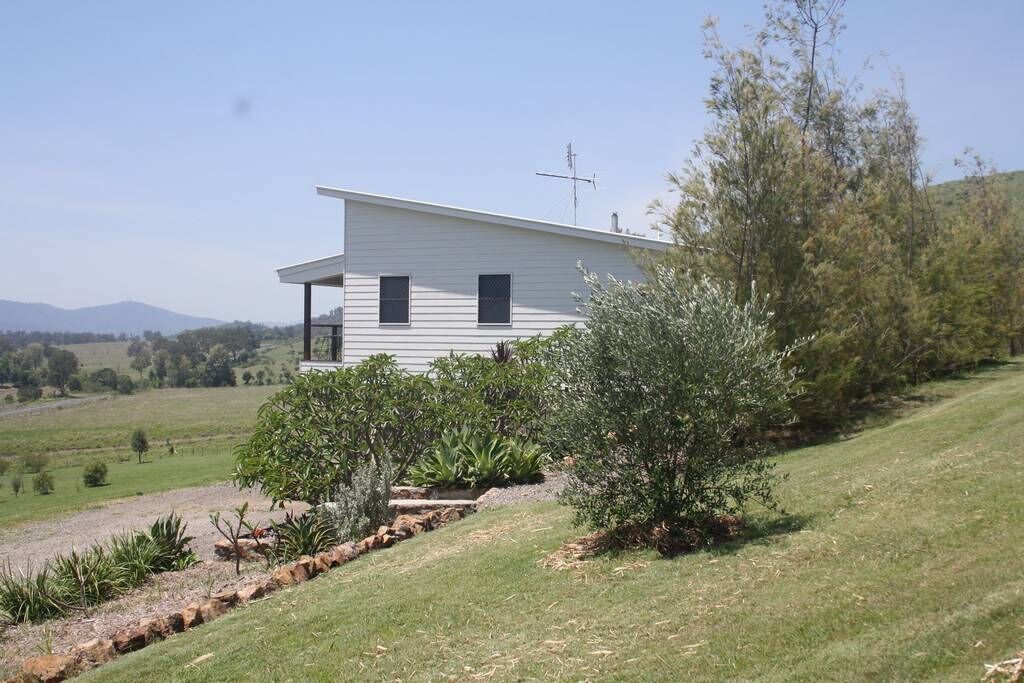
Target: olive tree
[{"x": 660, "y": 404}]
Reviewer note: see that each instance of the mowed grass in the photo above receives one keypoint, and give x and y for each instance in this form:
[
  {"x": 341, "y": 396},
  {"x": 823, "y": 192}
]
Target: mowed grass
[
  {"x": 96, "y": 355},
  {"x": 898, "y": 558},
  {"x": 156, "y": 473},
  {"x": 198, "y": 418}
]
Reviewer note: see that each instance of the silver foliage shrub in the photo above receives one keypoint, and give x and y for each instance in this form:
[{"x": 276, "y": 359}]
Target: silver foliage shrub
[
  {"x": 361, "y": 506},
  {"x": 660, "y": 403}
]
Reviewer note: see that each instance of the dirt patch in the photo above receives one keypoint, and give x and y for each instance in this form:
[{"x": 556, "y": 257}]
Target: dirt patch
[{"x": 28, "y": 545}]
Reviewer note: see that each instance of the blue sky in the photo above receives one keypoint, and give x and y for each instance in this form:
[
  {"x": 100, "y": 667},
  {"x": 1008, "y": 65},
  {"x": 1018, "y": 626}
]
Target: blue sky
[{"x": 168, "y": 153}]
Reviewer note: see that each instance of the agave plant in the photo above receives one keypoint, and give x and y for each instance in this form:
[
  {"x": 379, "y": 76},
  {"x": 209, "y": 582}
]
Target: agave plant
[
  {"x": 444, "y": 465},
  {"x": 307, "y": 534},
  {"x": 524, "y": 462},
  {"x": 485, "y": 461},
  {"x": 173, "y": 552}
]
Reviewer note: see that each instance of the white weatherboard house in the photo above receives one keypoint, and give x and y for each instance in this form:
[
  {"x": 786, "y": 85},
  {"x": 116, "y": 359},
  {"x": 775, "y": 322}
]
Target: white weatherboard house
[{"x": 421, "y": 280}]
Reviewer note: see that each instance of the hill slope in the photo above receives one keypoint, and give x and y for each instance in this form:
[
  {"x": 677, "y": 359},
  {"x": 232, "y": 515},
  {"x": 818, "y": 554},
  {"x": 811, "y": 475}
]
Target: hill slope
[
  {"x": 130, "y": 317},
  {"x": 947, "y": 196},
  {"x": 898, "y": 558}
]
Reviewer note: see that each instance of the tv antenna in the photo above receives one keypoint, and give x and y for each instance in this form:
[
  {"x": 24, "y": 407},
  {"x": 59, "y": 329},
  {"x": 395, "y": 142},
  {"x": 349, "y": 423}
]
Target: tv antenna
[{"x": 570, "y": 158}]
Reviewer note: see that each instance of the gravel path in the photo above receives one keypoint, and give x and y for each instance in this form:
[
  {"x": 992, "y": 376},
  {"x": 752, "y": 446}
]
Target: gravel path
[
  {"x": 30, "y": 544},
  {"x": 52, "y": 405},
  {"x": 525, "y": 493}
]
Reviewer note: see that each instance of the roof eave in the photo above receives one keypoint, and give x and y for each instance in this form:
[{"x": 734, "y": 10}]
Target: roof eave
[{"x": 495, "y": 218}]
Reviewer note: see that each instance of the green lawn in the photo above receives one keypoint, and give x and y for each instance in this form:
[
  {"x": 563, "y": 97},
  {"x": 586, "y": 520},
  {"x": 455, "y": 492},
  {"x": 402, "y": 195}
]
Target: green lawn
[
  {"x": 96, "y": 355},
  {"x": 898, "y": 558},
  {"x": 189, "y": 417},
  {"x": 157, "y": 472}
]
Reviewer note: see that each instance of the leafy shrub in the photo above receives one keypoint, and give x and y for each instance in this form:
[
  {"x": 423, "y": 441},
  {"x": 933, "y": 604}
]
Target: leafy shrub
[
  {"x": 42, "y": 483},
  {"x": 503, "y": 394},
  {"x": 125, "y": 384},
  {"x": 311, "y": 436},
  {"x": 307, "y": 534},
  {"x": 16, "y": 484},
  {"x": 104, "y": 378},
  {"x": 362, "y": 506},
  {"x": 29, "y": 392},
  {"x": 665, "y": 424},
  {"x": 75, "y": 383},
  {"x": 95, "y": 474},
  {"x": 34, "y": 462}
]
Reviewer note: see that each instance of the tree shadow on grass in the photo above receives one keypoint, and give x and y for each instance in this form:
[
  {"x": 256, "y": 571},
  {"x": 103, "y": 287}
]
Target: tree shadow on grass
[{"x": 761, "y": 531}]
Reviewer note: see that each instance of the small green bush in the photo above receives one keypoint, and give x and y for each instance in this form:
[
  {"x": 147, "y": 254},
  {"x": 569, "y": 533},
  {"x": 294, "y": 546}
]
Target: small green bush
[
  {"x": 362, "y": 506},
  {"x": 125, "y": 384},
  {"x": 29, "y": 392},
  {"x": 95, "y": 474},
  {"x": 307, "y": 534},
  {"x": 34, "y": 462},
  {"x": 42, "y": 483},
  {"x": 16, "y": 484}
]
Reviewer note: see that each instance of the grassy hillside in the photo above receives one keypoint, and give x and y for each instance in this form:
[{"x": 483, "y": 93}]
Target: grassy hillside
[
  {"x": 188, "y": 417},
  {"x": 947, "y": 196},
  {"x": 273, "y": 358},
  {"x": 158, "y": 472},
  {"x": 898, "y": 558},
  {"x": 96, "y": 355}
]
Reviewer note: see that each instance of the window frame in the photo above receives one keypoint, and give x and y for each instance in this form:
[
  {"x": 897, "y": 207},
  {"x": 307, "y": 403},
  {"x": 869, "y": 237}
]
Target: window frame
[
  {"x": 511, "y": 298},
  {"x": 408, "y": 312}
]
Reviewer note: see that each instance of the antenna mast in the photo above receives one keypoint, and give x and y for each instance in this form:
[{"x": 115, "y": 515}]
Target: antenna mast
[{"x": 570, "y": 158}]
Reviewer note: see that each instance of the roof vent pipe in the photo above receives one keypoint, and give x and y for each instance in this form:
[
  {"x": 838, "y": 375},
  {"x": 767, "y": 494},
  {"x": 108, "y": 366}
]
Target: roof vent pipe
[{"x": 615, "y": 222}]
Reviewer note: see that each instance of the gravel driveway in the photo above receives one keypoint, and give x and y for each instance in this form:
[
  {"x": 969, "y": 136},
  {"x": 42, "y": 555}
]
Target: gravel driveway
[{"x": 30, "y": 544}]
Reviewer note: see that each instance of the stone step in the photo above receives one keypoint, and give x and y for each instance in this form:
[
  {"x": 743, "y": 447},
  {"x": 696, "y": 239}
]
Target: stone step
[
  {"x": 434, "y": 493},
  {"x": 407, "y": 506}
]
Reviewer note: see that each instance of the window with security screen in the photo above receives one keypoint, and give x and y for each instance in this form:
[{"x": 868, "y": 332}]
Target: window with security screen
[
  {"x": 394, "y": 300},
  {"x": 494, "y": 299}
]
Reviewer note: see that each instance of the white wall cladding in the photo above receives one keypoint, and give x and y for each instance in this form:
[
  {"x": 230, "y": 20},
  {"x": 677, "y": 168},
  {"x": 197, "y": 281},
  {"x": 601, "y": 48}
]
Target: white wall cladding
[{"x": 443, "y": 257}]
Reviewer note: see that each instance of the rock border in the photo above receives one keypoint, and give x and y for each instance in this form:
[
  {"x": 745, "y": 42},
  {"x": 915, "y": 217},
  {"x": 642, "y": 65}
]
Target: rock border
[{"x": 99, "y": 651}]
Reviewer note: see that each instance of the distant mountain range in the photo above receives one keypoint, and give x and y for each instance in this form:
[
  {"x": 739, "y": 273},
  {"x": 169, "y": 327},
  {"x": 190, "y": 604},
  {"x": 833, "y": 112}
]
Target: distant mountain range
[{"x": 130, "y": 317}]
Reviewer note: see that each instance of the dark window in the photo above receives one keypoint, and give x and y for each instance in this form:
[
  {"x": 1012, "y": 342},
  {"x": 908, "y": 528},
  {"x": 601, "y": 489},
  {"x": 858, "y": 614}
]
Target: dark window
[
  {"x": 494, "y": 300},
  {"x": 394, "y": 299}
]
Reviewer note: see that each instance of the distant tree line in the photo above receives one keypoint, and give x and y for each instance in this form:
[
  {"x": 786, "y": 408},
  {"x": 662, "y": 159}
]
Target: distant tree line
[
  {"x": 204, "y": 357},
  {"x": 806, "y": 192},
  {"x": 19, "y": 339}
]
